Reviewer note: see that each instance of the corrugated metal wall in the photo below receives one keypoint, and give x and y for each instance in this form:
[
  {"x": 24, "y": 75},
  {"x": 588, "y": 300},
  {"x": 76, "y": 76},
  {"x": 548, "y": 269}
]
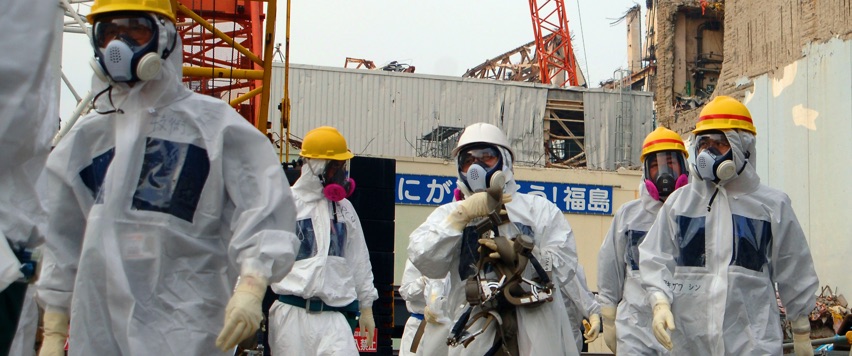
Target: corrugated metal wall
[
  {"x": 803, "y": 116},
  {"x": 602, "y": 111},
  {"x": 385, "y": 113}
]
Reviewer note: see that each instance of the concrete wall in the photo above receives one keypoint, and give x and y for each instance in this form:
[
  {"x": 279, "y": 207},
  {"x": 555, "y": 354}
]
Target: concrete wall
[
  {"x": 803, "y": 116},
  {"x": 760, "y": 37}
]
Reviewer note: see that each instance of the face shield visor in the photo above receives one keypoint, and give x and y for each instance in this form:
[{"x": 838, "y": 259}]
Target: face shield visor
[
  {"x": 122, "y": 41},
  {"x": 714, "y": 158},
  {"x": 665, "y": 171},
  {"x": 476, "y": 165}
]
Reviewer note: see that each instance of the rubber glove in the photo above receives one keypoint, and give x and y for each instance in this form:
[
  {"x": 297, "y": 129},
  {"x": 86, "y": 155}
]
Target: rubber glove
[
  {"x": 593, "y": 327},
  {"x": 55, "y": 333},
  {"x": 608, "y": 314},
  {"x": 802, "y": 337},
  {"x": 491, "y": 245},
  {"x": 367, "y": 324},
  {"x": 243, "y": 313},
  {"x": 472, "y": 207},
  {"x": 663, "y": 323}
]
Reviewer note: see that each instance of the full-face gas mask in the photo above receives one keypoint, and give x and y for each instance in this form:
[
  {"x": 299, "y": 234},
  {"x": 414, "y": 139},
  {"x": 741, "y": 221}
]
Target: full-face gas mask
[
  {"x": 665, "y": 171},
  {"x": 335, "y": 180},
  {"x": 476, "y": 165},
  {"x": 710, "y": 163},
  {"x": 128, "y": 45}
]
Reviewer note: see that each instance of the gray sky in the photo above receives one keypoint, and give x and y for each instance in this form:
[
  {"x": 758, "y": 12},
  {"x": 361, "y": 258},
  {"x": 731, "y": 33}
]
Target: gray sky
[{"x": 443, "y": 37}]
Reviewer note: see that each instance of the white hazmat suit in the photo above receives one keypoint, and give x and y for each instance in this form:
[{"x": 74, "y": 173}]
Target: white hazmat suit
[
  {"x": 333, "y": 265},
  {"x": 425, "y": 299},
  {"x": 29, "y": 100},
  {"x": 714, "y": 253},
  {"x": 580, "y": 304},
  {"x": 437, "y": 247},
  {"x": 412, "y": 289},
  {"x": 619, "y": 282},
  {"x": 155, "y": 210}
]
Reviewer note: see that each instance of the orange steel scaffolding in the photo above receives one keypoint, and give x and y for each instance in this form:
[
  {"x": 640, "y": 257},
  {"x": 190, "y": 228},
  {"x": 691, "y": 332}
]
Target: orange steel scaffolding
[{"x": 553, "y": 42}]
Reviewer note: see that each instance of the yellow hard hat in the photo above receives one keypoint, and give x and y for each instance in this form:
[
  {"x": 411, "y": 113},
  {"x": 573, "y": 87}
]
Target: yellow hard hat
[
  {"x": 662, "y": 139},
  {"x": 162, "y": 7},
  {"x": 725, "y": 113},
  {"x": 325, "y": 142}
]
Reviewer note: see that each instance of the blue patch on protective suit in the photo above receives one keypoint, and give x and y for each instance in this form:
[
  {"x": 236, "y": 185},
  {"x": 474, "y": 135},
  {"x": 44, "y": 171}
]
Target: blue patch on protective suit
[
  {"x": 172, "y": 178},
  {"x": 634, "y": 238},
  {"x": 752, "y": 243},
  {"x": 690, "y": 240},
  {"x": 468, "y": 254},
  {"x": 338, "y": 239},
  {"x": 93, "y": 175},
  {"x": 307, "y": 239},
  {"x": 526, "y": 230}
]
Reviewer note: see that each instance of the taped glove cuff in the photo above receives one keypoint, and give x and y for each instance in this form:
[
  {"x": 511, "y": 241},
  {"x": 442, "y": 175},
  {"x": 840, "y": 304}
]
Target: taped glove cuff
[
  {"x": 658, "y": 298},
  {"x": 254, "y": 285},
  {"x": 56, "y": 324},
  {"x": 608, "y": 314},
  {"x": 801, "y": 326}
]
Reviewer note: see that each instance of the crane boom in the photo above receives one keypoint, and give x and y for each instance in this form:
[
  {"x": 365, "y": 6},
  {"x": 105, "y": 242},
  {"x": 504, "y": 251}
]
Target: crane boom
[{"x": 555, "y": 53}]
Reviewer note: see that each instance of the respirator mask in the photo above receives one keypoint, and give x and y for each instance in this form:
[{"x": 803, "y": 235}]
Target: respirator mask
[
  {"x": 477, "y": 164},
  {"x": 664, "y": 173},
  {"x": 336, "y": 182},
  {"x": 127, "y": 46},
  {"x": 710, "y": 163}
]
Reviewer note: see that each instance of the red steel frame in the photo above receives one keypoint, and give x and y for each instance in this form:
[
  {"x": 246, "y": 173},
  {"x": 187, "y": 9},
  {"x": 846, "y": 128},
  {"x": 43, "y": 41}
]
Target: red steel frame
[{"x": 553, "y": 42}]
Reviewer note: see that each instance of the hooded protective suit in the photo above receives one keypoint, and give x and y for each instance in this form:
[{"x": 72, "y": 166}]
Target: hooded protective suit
[
  {"x": 619, "y": 282},
  {"x": 333, "y": 265},
  {"x": 580, "y": 304},
  {"x": 155, "y": 210},
  {"x": 715, "y": 259},
  {"x": 437, "y": 248}
]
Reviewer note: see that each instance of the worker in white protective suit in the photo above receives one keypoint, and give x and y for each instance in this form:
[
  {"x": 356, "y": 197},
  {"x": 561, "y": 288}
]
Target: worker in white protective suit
[
  {"x": 159, "y": 201},
  {"x": 425, "y": 300},
  {"x": 440, "y": 245},
  {"x": 29, "y": 98},
  {"x": 332, "y": 280},
  {"x": 583, "y": 309},
  {"x": 411, "y": 289},
  {"x": 719, "y": 243},
  {"x": 626, "y": 312}
]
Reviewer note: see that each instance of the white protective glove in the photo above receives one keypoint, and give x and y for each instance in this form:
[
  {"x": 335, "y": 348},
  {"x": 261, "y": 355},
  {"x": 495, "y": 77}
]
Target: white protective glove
[
  {"x": 472, "y": 207},
  {"x": 802, "y": 337},
  {"x": 593, "y": 327},
  {"x": 608, "y": 314},
  {"x": 367, "y": 324},
  {"x": 429, "y": 316},
  {"x": 663, "y": 323},
  {"x": 243, "y": 313},
  {"x": 55, "y": 333}
]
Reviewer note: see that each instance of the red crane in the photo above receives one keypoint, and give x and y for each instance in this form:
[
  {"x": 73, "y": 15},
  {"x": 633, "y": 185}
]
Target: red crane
[{"x": 553, "y": 43}]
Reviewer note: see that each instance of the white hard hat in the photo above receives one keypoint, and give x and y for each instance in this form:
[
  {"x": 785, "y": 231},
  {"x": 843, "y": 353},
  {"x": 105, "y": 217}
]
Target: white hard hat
[{"x": 483, "y": 133}]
